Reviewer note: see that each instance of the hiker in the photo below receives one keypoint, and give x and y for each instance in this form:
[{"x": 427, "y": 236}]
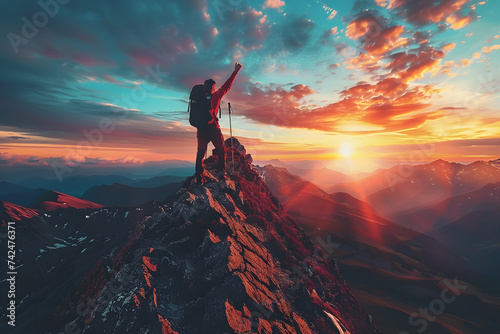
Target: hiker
[{"x": 208, "y": 127}]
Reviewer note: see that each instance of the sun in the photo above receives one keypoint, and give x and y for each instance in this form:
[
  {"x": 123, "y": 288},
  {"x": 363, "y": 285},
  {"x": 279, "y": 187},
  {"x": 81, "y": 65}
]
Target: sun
[{"x": 345, "y": 150}]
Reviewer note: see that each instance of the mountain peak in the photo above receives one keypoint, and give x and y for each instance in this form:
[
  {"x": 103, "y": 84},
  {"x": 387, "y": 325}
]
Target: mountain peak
[
  {"x": 440, "y": 162},
  {"x": 495, "y": 163},
  {"x": 223, "y": 256}
]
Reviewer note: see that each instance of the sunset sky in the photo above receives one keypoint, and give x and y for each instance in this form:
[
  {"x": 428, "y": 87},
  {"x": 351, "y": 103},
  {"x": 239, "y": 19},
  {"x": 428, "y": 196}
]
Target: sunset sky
[{"x": 353, "y": 85}]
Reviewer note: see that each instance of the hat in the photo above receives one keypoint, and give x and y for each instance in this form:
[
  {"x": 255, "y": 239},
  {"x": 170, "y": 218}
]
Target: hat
[{"x": 209, "y": 82}]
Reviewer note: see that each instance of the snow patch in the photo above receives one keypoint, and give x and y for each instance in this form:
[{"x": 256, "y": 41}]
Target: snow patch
[{"x": 341, "y": 328}]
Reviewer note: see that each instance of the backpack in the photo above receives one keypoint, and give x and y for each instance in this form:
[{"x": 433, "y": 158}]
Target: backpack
[{"x": 200, "y": 104}]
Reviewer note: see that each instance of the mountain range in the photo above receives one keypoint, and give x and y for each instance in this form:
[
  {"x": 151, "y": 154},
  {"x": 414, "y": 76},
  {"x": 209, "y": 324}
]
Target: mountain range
[
  {"x": 264, "y": 250},
  {"x": 407, "y": 187}
]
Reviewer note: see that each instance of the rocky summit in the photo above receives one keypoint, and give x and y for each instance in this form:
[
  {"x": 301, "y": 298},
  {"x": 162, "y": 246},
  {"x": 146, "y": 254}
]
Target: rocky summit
[{"x": 218, "y": 257}]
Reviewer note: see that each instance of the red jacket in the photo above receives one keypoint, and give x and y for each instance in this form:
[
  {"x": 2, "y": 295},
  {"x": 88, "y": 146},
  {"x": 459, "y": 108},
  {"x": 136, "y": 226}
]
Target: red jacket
[{"x": 217, "y": 97}]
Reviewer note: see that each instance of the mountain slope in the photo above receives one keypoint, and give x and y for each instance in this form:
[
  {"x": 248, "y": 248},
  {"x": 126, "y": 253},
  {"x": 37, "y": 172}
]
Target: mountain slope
[
  {"x": 120, "y": 194},
  {"x": 53, "y": 200},
  {"x": 430, "y": 217},
  {"x": 222, "y": 257},
  {"x": 475, "y": 236},
  {"x": 11, "y": 212},
  {"x": 296, "y": 192}
]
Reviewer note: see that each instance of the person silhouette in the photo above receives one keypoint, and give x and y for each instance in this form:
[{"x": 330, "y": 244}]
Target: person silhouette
[{"x": 212, "y": 132}]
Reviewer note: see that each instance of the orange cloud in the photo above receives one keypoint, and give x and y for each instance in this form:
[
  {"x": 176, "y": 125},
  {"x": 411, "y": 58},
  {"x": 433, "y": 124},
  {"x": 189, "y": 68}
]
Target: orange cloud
[
  {"x": 388, "y": 40},
  {"x": 364, "y": 61},
  {"x": 363, "y": 26},
  {"x": 448, "y": 47},
  {"x": 426, "y": 61},
  {"x": 465, "y": 62},
  {"x": 388, "y": 105},
  {"x": 274, "y": 4},
  {"x": 456, "y": 21},
  {"x": 492, "y": 38},
  {"x": 488, "y": 49}
]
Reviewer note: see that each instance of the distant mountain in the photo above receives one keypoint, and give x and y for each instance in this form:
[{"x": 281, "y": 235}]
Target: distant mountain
[
  {"x": 406, "y": 187},
  {"x": 353, "y": 202},
  {"x": 24, "y": 198},
  {"x": 495, "y": 162},
  {"x": 178, "y": 171},
  {"x": 430, "y": 217},
  {"x": 157, "y": 181},
  {"x": 76, "y": 185},
  {"x": 53, "y": 200},
  {"x": 289, "y": 165},
  {"x": 476, "y": 237},
  {"x": 141, "y": 170},
  {"x": 120, "y": 194},
  {"x": 7, "y": 188},
  {"x": 322, "y": 177}
]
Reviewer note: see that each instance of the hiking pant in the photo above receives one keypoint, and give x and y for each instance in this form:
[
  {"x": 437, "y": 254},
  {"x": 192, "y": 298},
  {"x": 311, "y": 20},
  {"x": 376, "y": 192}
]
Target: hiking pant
[{"x": 213, "y": 135}]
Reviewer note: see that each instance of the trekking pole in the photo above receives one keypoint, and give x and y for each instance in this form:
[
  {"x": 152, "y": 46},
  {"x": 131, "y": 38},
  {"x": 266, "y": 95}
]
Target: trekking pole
[{"x": 231, "y": 132}]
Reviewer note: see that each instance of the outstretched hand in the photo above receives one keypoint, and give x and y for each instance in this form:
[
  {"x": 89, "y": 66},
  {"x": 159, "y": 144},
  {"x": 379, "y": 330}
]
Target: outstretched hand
[{"x": 237, "y": 67}]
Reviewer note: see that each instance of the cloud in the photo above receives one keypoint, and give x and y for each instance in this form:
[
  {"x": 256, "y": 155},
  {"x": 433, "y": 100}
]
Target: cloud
[
  {"x": 492, "y": 38},
  {"x": 272, "y": 104},
  {"x": 333, "y": 13},
  {"x": 273, "y": 4},
  {"x": 333, "y": 66},
  {"x": 388, "y": 105},
  {"x": 427, "y": 12},
  {"x": 427, "y": 59},
  {"x": 8, "y": 159},
  {"x": 365, "y": 26},
  {"x": 382, "y": 3},
  {"x": 195, "y": 39},
  {"x": 330, "y": 32},
  {"x": 296, "y": 33},
  {"x": 489, "y": 49},
  {"x": 17, "y": 137},
  {"x": 457, "y": 21},
  {"x": 364, "y": 61},
  {"x": 327, "y": 38},
  {"x": 185, "y": 40},
  {"x": 387, "y": 40},
  {"x": 194, "y": 35}
]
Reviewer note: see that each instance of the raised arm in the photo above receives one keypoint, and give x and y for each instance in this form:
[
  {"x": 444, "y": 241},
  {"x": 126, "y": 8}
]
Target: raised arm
[{"x": 227, "y": 85}]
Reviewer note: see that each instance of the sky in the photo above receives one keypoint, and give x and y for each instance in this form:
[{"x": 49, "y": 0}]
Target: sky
[{"x": 350, "y": 85}]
